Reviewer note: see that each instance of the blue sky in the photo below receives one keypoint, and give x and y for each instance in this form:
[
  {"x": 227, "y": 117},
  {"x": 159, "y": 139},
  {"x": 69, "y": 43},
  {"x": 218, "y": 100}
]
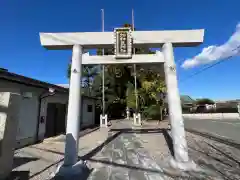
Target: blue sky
[{"x": 21, "y": 21}]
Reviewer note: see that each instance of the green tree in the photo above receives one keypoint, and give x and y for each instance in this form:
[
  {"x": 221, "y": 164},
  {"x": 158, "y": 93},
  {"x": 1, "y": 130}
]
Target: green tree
[
  {"x": 204, "y": 101},
  {"x": 148, "y": 82},
  {"x": 151, "y": 85},
  {"x": 119, "y": 85},
  {"x": 88, "y": 74}
]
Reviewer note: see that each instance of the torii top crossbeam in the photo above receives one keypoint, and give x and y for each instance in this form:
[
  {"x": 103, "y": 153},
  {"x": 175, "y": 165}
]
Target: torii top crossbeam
[{"x": 91, "y": 40}]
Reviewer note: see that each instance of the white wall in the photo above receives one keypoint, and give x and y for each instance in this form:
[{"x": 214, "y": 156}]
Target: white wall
[
  {"x": 28, "y": 112},
  {"x": 28, "y": 117},
  {"x": 212, "y": 116},
  {"x": 88, "y": 118}
]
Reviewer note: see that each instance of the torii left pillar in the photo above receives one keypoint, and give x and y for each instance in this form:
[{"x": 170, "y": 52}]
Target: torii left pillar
[{"x": 71, "y": 165}]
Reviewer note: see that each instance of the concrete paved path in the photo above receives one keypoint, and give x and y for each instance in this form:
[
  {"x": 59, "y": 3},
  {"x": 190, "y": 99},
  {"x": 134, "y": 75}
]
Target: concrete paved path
[
  {"x": 116, "y": 153},
  {"x": 126, "y": 158},
  {"x": 123, "y": 152}
]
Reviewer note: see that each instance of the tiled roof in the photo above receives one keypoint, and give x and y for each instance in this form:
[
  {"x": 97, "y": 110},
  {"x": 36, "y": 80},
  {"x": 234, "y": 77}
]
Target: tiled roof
[
  {"x": 9, "y": 76},
  {"x": 186, "y": 99}
]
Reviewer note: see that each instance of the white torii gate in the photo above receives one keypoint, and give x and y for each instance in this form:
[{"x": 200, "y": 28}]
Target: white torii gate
[{"x": 89, "y": 40}]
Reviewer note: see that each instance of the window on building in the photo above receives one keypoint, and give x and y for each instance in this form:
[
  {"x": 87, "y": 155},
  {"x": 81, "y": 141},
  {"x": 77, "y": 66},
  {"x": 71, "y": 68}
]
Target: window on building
[{"x": 89, "y": 108}]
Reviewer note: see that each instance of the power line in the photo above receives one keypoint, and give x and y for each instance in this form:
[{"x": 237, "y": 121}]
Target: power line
[
  {"x": 204, "y": 69},
  {"x": 208, "y": 67}
]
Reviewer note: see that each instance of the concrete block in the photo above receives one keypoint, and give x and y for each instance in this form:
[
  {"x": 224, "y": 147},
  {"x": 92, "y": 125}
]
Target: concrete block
[
  {"x": 9, "y": 110},
  {"x": 103, "y": 120},
  {"x": 212, "y": 116},
  {"x": 137, "y": 119}
]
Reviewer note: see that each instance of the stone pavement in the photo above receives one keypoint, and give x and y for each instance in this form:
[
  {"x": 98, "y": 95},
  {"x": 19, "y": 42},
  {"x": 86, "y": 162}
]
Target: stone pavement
[
  {"x": 133, "y": 153},
  {"x": 126, "y": 158},
  {"x": 115, "y": 153}
]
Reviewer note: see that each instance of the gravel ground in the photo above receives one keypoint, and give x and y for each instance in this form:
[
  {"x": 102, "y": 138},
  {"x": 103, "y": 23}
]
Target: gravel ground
[
  {"x": 215, "y": 160},
  {"x": 214, "y": 156},
  {"x": 133, "y": 154}
]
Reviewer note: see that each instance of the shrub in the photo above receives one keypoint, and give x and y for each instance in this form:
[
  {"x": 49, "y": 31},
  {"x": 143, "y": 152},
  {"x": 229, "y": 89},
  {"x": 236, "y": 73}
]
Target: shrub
[{"x": 152, "y": 112}]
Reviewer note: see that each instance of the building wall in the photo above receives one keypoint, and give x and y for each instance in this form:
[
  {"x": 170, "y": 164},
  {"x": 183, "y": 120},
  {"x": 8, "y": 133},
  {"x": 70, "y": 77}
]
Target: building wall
[
  {"x": 87, "y": 119},
  {"x": 57, "y": 98},
  {"x": 28, "y": 116},
  {"x": 88, "y": 112}
]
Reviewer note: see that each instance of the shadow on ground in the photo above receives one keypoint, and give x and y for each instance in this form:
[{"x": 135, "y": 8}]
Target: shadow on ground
[
  {"x": 217, "y": 139},
  {"x": 83, "y": 132},
  {"x": 215, "y": 160},
  {"x": 18, "y": 161},
  {"x": 113, "y": 134},
  {"x": 18, "y": 175},
  {"x": 84, "y": 175},
  {"x": 214, "y": 154}
]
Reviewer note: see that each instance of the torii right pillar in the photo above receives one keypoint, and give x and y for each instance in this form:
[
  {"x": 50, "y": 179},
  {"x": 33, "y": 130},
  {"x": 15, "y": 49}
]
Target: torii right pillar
[{"x": 181, "y": 158}]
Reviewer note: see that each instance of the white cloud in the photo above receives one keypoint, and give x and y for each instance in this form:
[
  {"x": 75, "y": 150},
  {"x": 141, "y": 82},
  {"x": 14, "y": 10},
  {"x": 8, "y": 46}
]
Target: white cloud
[{"x": 215, "y": 53}]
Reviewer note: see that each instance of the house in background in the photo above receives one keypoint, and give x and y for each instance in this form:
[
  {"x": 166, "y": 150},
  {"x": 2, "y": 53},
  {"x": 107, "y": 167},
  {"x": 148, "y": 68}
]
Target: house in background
[
  {"x": 227, "y": 103},
  {"x": 229, "y": 106},
  {"x": 187, "y": 103},
  {"x": 43, "y": 107}
]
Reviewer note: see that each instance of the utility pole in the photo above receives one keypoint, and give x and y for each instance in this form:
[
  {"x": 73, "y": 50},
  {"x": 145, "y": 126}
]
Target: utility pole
[
  {"x": 103, "y": 116},
  {"x": 103, "y": 71},
  {"x": 135, "y": 70}
]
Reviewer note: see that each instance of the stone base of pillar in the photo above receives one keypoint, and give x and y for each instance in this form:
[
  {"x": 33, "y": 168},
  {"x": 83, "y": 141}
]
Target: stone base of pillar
[
  {"x": 79, "y": 170},
  {"x": 103, "y": 120},
  {"x": 137, "y": 119},
  {"x": 128, "y": 116},
  {"x": 184, "y": 166}
]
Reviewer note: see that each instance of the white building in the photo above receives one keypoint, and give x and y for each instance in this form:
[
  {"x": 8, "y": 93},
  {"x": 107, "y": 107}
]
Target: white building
[{"x": 43, "y": 108}]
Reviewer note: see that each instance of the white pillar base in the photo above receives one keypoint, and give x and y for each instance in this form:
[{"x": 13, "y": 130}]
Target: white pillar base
[
  {"x": 137, "y": 119},
  {"x": 128, "y": 115},
  {"x": 184, "y": 166},
  {"x": 78, "y": 170},
  {"x": 103, "y": 120}
]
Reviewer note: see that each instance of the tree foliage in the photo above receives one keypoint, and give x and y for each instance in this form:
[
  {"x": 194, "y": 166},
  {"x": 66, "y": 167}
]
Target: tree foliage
[
  {"x": 204, "y": 101},
  {"x": 119, "y": 85},
  {"x": 88, "y": 74}
]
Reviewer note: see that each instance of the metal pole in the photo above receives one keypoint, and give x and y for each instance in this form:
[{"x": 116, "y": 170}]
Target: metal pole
[
  {"x": 103, "y": 71},
  {"x": 135, "y": 71}
]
